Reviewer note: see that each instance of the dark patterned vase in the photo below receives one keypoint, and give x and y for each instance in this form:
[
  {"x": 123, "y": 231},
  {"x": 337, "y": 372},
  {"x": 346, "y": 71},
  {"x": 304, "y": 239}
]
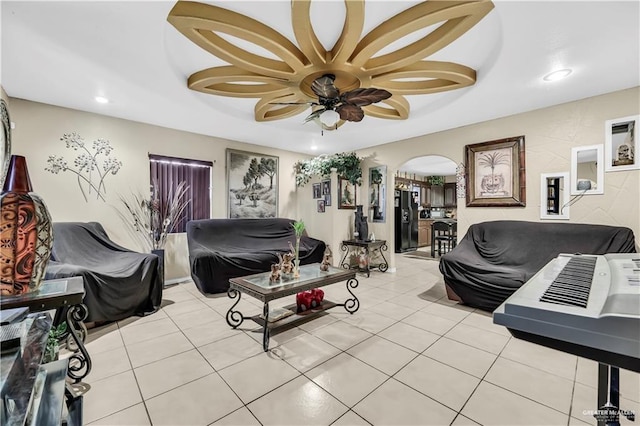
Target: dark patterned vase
[{"x": 26, "y": 235}]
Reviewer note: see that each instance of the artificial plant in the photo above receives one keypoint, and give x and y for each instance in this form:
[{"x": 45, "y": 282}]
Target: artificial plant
[{"x": 347, "y": 165}]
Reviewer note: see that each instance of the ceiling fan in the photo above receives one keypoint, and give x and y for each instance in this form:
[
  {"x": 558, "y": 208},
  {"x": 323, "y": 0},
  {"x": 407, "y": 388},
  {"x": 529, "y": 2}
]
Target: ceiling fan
[{"x": 347, "y": 105}]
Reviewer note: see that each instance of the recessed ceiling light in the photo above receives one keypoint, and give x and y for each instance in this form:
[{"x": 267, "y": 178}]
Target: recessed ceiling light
[
  {"x": 314, "y": 148},
  {"x": 101, "y": 100},
  {"x": 557, "y": 75}
]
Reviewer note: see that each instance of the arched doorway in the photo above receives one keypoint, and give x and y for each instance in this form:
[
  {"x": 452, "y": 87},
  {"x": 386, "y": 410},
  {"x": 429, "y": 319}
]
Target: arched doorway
[{"x": 425, "y": 190}]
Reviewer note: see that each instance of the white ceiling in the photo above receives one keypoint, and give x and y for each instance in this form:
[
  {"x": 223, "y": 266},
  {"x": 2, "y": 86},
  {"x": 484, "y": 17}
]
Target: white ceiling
[{"x": 66, "y": 53}]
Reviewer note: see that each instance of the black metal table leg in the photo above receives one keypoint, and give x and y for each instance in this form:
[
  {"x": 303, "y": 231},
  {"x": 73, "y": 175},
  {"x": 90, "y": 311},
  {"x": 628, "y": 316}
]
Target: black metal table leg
[
  {"x": 385, "y": 265},
  {"x": 265, "y": 332},
  {"x": 345, "y": 249},
  {"x": 234, "y": 318},
  {"x": 352, "y": 305},
  {"x": 366, "y": 255},
  {"x": 80, "y": 361}
]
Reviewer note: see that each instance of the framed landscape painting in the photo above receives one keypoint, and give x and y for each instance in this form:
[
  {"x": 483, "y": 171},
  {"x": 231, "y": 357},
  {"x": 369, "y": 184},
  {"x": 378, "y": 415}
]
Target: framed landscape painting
[
  {"x": 252, "y": 185},
  {"x": 496, "y": 173}
]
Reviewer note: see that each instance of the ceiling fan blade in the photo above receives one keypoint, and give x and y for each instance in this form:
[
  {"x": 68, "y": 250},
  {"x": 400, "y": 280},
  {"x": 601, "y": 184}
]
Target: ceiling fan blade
[
  {"x": 294, "y": 103},
  {"x": 350, "y": 112},
  {"x": 315, "y": 115},
  {"x": 324, "y": 88},
  {"x": 365, "y": 96}
]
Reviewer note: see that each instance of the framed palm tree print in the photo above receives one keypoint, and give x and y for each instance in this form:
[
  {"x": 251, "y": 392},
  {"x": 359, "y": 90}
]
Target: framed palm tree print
[{"x": 495, "y": 173}]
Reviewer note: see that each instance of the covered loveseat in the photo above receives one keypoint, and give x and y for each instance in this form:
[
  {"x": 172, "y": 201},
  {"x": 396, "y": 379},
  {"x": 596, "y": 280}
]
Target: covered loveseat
[
  {"x": 220, "y": 249},
  {"x": 495, "y": 258},
  {"x": 118, "y": 282}
]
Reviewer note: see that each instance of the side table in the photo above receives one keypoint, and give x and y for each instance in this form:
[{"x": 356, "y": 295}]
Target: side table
[
  {"x": 65, "y": 296},
  {"x": 371, "y": 248}
]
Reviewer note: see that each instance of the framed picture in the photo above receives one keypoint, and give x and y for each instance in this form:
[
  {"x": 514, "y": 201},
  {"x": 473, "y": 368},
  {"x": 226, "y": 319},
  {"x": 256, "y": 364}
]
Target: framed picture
[
  {"x": 326, "y": 187},
  {"x": 621, "y": 144},
  {"x": 495, "y": 173},
  {"x": 327, "y": 200},
  {"x": 346, "y": 194},
  {"x": 317, "y": 191},
  {"x": 252, "y": 185},
  {"x": 320, "y": 206}
]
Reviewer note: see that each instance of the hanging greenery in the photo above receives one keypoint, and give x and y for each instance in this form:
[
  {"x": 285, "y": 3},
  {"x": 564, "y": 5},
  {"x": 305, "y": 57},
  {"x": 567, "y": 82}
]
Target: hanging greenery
[
  {"x": 435, "y": 180},
  {"x": 347, "y": 165}
]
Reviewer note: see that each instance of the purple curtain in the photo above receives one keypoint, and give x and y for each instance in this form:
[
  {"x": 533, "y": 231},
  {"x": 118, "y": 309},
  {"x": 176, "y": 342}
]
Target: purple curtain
[{"x": 168, "y": 172}]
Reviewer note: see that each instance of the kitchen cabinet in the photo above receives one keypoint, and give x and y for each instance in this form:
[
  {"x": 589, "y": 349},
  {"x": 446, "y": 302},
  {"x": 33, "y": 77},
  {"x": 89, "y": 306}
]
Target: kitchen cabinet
[
  {"x": 437, "y": 196},
  {"x": 424, "y": 232},
  {"x": 450, "y": 195}
]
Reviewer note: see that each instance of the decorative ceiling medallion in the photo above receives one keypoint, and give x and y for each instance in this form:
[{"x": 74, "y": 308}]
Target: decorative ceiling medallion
[{"x": 351, "y": 60}]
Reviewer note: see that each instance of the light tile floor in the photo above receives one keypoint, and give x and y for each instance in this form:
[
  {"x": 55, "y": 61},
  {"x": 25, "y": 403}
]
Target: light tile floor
[{"x": 409, "y": 356}]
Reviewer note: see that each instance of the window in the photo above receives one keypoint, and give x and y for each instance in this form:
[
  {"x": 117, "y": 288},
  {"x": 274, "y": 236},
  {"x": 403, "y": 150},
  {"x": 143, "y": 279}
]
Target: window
[{"x": 168, "y": 172}]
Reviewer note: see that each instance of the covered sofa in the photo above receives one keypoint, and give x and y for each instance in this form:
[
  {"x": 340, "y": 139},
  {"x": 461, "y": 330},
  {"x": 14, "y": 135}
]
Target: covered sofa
[
  {"x": 495, "y": 258},
  {"x": 220, "y": 249},
  {"x": 118, "y": 282}
]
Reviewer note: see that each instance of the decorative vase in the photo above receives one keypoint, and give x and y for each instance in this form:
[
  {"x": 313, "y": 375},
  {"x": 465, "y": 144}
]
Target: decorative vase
[
  {"x": 160, "y": 254},
  {"x": 26, "y": 234}
]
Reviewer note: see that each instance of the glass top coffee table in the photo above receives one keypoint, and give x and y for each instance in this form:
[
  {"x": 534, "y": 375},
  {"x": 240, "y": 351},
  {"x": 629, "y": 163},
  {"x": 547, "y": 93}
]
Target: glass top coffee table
[{"x": 311, "y": 277}]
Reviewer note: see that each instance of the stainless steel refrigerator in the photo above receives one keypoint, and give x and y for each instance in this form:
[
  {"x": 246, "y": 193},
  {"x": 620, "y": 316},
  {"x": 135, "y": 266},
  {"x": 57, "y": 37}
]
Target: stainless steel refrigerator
[{"x": 406, "y": 228}]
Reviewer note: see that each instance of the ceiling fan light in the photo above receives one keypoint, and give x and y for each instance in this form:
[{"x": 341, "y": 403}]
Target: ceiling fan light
[{"x": 329, "y": 118}]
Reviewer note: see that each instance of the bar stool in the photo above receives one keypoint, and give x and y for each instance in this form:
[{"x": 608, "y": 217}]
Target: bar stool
[{"x": 445, "y": 234}]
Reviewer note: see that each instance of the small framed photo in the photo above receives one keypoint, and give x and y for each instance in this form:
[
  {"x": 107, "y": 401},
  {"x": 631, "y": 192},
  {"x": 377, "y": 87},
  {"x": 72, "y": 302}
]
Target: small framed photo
[
  {"x": 317, "y": 191},
  {"x": 327, "y": 200},
  {"x": 320, "y": 206},
  {"x": 621, "y": 144},
  {"x": 326, "y": 187}
]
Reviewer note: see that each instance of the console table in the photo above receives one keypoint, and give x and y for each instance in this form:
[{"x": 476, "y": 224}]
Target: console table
[
  {"x": 65, "y": 296},
  {"x": 371, "y": 248}
]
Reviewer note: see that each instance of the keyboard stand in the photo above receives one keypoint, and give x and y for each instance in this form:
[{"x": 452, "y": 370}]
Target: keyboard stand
[{"x": 608, "y": 413}]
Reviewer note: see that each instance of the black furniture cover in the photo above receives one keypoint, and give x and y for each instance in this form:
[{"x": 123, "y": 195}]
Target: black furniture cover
[
  {"x": 118, "y": 282},
  {"x": 220, "y": 249},
  {"x": 495, "y": 258}
]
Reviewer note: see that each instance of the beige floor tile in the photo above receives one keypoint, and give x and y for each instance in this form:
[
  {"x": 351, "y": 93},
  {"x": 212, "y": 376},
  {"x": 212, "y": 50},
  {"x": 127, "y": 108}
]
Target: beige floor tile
[
  {"x": 347, "y": 378},
  {"x": 276, "y": 340},
  {"x": 342, "y": 335},
  {"x": 429, "y": 322},
  {"x": 575, "y": 422},
  {"x": 240, "y": 417},
  {"x": 463, "y": 421},
  {"x": 139, "y": 320},
  {"x": 491, "y": 405},
  {"x": 136, "y": 415},
  {"x": 350, "y": 419},
  {"x": 183, "y": 307},
  {"x": 299, "y": 402},
  {"x": 257, "y": 375},
  {"x": 587, "y": 374},
  {"x": 169, "y": 373},
  {"x": 369, "y": 320},
  {"x": 452, "y": 313},
  {"x": 200, "y": 402},
  {"x": 463, "y": 357},
  {"x": 203, "y": 334},
  {"x": 409, "y": 336},
  {"x": 411, "y": 301},
  {"x": 540, "y": 357},
  {"x": 318, "y": 322},
  {"x": 134, "y": 333},
  {"x": 197, "y": 317},
  {"x": 177, "y": 294},
  {"x": 109, "y": 396},
  {"x": 481, "y": 339},
  {"x": 109, "y": 363},
  {"x": 394, "y": 403},
  {"x": 104, "y": 338},
  {"x": 382, "y": 354},
  {"x": 585, "y": 401},
  {"x": 445, "y": 384},
  {"x": 484, "y": 321},
  {"x": 392, "y": 310},
  {"x": 305, "y": 352},
  {"x": 162, "y": 347},
  {"x": 228, "y": 351},
  {"x": 540, "y": 386}
]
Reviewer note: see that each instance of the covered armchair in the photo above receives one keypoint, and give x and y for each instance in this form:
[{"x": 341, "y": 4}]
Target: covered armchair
[{"x": 118, "y": 282}]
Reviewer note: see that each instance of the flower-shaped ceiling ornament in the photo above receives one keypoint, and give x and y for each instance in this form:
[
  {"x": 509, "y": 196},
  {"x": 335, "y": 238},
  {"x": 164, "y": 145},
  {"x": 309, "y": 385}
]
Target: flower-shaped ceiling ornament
[{"x": 352, "y": 59}]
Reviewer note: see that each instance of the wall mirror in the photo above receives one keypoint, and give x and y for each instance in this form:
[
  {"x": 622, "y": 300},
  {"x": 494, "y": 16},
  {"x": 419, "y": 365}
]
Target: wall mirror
[
  {"x": 5, "y": 141},
  {"x": 621, "y": 144},
  {"x": 554, "y": 196},
  {"x": 587, "y": 170},
  {"x": 377, "y": 193}
]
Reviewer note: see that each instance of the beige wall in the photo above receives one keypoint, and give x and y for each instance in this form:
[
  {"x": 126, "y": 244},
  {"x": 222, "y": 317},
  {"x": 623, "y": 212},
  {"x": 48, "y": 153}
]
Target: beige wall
[
  {"x": 550, "y": 133},
  {"x": 39, "y": 128}
]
